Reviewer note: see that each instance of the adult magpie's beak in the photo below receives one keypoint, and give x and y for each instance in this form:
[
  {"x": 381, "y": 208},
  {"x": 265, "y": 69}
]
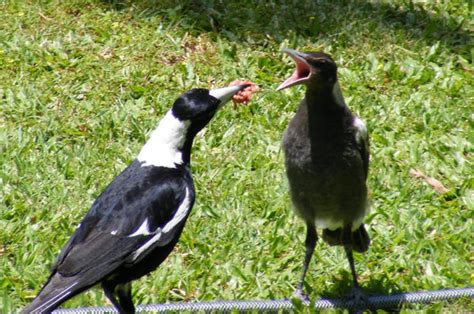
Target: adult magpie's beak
[
  {"x": 302, "y": 72},
  {"x": 225, "y": 94}
]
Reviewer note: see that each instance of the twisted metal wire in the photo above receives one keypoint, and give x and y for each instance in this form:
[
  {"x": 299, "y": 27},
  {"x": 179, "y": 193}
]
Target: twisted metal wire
[{"x": 380, "y": 301}]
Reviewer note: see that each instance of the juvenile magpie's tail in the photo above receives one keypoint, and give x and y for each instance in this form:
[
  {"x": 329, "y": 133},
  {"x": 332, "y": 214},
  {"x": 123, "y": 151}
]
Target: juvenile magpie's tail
[{"x": 359, "y": 238}]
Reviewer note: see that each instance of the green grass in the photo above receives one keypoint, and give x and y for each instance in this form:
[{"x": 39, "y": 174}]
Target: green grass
[{"x": 82, "y": 83}]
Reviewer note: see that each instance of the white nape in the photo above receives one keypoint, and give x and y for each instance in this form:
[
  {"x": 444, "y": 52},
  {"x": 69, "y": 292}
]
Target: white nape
[
  {"x": 164, "y": 235},
  {"x": 163, "y": 149},
  {"x": 143, "y": 230},
  {"x": 337, "y": 94}
]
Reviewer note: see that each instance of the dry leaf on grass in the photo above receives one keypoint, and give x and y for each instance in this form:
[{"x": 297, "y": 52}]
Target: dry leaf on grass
[
  {"x": 107, "y": 53},
  {"x": 435, "y": 184}
]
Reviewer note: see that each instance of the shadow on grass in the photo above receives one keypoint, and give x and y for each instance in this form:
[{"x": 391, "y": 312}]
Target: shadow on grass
[
  {"x": 342, "y": 287},
  {"x": 253, "y": 21}
]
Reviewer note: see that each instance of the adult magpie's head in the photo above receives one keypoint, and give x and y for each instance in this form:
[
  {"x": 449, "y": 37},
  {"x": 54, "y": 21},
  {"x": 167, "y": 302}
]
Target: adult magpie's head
[
  {"x": 312, "y": 69},
  {"x": 197, "y": 106}
]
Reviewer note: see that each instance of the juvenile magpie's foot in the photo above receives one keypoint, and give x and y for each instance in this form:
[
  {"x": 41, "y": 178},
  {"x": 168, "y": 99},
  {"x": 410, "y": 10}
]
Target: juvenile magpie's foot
[
  {"x": 300, "y": 295},
  {"x": 359, "y": 301}
]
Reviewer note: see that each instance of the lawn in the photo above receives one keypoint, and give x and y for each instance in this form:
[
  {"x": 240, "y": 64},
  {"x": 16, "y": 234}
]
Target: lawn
[{"x": 83, "y": 82}]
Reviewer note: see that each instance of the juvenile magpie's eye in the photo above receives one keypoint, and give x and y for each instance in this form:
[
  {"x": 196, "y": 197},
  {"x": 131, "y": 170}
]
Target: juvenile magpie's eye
[{"x": 318, "y": 63}]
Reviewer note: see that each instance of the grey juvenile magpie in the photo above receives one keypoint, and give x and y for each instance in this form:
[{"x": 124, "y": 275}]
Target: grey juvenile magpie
[
  {"x": 134, "y": 224},
  {"x": 326, "y": 159}
]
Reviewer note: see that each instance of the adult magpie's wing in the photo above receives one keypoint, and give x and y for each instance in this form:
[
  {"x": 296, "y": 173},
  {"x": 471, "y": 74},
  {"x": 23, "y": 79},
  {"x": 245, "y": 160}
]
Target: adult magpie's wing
[
  {"x": 142, "y": 208},
  {"x": 141, "y": 204}
]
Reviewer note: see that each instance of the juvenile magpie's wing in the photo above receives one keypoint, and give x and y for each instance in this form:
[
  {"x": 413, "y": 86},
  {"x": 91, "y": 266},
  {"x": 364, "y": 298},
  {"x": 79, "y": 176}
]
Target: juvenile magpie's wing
[
  {"x": 362, "y": 139},
  {"x": 141, "y": 209}
]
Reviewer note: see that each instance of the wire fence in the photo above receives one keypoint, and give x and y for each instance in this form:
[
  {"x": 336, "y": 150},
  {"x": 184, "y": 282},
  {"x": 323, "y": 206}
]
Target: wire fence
[{"x": 374, "y": 302}]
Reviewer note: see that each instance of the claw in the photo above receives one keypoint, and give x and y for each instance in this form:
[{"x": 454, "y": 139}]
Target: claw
[
  {"x": 301, "y": 295},
  {"x": 358, "y": 300}
]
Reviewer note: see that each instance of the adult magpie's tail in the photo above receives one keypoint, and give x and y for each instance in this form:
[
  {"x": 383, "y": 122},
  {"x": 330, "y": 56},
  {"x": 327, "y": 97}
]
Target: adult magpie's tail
[{"x": 57, "y": 290}]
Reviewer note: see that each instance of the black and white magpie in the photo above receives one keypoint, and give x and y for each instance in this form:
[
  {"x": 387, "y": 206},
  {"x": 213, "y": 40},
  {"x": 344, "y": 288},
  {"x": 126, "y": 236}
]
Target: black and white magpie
[
  {"x": 326, "y": 151},
  {"x": 134, "y": 224}
]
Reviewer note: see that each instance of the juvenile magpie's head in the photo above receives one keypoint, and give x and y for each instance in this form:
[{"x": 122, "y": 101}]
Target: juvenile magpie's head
[
  {"x": 199, "y": 105},
  {"x": 312, "y": 69}
]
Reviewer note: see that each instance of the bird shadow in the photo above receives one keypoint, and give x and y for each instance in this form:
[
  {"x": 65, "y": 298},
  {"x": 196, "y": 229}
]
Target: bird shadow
[
  {"x": 340, "y": 291},
  {"x": 257, "y": 22}
]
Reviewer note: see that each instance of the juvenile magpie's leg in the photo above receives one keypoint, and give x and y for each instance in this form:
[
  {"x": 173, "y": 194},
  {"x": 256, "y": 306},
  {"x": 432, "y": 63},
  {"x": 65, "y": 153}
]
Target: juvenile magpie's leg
[
  {"x": 360, "y": 299},
  {"x": 120, "y": 295},
  {"x": 310, "y": 243}
]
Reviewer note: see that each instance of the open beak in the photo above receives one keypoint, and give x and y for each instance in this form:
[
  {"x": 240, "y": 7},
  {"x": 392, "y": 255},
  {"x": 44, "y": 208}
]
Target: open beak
[
  {"x": 225, "y": 94},
  {"x": 302, "y": 72}
]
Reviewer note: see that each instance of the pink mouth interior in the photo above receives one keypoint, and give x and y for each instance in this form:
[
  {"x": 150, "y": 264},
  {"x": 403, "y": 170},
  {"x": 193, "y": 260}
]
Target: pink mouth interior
[{"x": 301, "y": 74}]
